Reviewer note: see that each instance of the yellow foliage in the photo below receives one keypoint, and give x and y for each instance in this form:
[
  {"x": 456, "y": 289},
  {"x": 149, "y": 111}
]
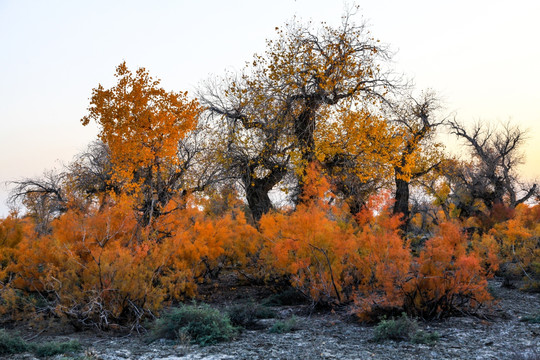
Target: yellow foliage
[{"x": 518, "y": 240}]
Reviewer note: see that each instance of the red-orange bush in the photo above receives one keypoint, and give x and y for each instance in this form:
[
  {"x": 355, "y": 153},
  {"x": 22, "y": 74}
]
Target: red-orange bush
[
  {"x": 211, "y": 242},
  {"x": 330, "y": 257},
  {"x": 447, "y": 277},
  {"x": 12, "y": 231},
  {"x": 99, "y": 266},
  {"x": 96, "y": 266},
  {"x": 383, "y": 260},
  {"x": 310, "y": 248}
]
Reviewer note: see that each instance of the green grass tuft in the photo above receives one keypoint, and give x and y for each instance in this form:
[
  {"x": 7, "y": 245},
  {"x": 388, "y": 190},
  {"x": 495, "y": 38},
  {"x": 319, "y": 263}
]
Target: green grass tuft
[
  {"x": 284, "y": 326},
  {"x": 403, "y": 329},
  {"x": 246, "y": 315},
  {"x": 14, "y": 344},
  {"x": 200, "y": 323},
  {"x": 55, "y": 348},
  {"x": 11, "y": 344}
]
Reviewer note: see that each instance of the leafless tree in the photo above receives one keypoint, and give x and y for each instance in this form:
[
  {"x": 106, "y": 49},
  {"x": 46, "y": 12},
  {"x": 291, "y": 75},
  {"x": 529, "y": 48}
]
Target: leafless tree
[
  {"x": 44, "y": 198},
  {"x": 91, "y": 172},
  {"x": 492, "y": 174}
]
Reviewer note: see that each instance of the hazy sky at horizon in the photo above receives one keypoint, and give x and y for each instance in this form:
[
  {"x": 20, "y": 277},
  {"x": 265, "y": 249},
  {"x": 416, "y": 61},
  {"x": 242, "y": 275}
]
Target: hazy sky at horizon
[{"x": 482, "y": 57}]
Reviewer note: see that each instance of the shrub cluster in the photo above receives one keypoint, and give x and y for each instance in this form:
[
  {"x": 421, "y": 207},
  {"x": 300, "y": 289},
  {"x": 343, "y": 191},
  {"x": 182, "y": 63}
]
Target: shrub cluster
[{"x": 99, "y": 267}]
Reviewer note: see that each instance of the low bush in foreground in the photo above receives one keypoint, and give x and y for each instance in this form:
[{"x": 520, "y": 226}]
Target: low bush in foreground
[
  {"x": 424, "y": 337},
  {"x": 246, "y": 315},
  {"x": 11, "y": 344},
  {"x": 533, "y": 318},
  {"x": 284, "y": 326},
  {"x": 55, "y": 348},
  {"x": 403, "y": 329},
  {"x": 14, "y": 344},
  {"x": 200, "y": 323}
]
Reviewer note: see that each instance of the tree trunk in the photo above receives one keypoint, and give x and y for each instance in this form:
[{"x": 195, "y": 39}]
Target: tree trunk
[
  {"x": 401, "y": 206},
  {"x": 258, "y": 201},
  {"x": 257, "y": 190}
]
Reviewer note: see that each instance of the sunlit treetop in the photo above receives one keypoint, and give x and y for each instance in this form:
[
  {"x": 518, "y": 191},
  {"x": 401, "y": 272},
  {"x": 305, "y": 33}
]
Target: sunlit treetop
[{"x": 141, "y": 122}]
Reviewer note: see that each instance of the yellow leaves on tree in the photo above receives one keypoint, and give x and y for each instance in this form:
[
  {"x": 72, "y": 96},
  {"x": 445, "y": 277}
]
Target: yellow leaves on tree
[
  {"x": 142, "y": 124},
  {"x": 276, "y": 109},
  {"x": 358, "y": 142},
  {"x": 139, "y": 121}
]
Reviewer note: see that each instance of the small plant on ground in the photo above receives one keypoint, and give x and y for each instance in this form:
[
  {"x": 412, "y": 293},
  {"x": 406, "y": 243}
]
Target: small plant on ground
[
  {"x": 532, "y": 318},
  {"x": 246, "y": 315},
  {"x": 287, "y": 297},
  {"x": 11, "y": 344},
  {"x": 425, "y": 337},
  {"x": 400, "y": 329},
  {"x": 284, "y": 326},
  {"x": 202, "y": 324},
  {"x": 55, "y": 348},
  {"x": 14, "y": 344},
  {"x": 403, "y": 329}
]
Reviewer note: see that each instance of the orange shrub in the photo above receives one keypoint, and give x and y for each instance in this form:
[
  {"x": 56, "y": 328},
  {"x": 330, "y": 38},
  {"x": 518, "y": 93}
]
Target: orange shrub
[
  {"x": 382, "y": 259},
  {"x": 93, "y": 265},
  {"x": 211, "y": 242},
  {"x": 311, "y": 249},
  {"x": 518, "y": 239},
  {"x": 447, "y": 277},
  {"x": 12, "y": 232},
  {"x": 99, "y": 267},
  {"x": 333, "y": 259}
]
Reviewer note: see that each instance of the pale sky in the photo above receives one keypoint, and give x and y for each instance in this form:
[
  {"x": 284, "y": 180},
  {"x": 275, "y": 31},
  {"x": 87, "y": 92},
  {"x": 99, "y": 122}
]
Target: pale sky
[{"x": 481, "y": 57}]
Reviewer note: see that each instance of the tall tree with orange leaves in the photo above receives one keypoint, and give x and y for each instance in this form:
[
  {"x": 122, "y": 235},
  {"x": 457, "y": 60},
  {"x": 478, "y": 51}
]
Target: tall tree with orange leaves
[{"x": 142, "y": 124}]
